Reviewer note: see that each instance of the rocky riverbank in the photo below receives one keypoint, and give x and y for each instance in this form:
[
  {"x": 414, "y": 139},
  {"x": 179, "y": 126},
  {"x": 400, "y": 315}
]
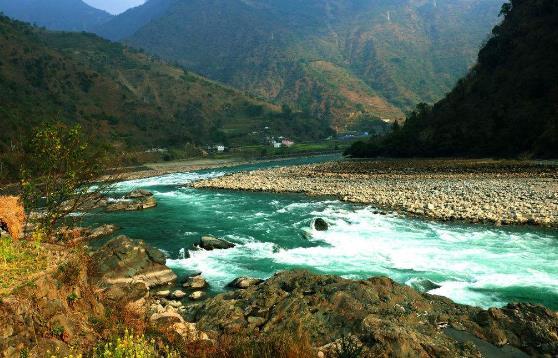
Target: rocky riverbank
[
  {"x": 380, "y": 317},
  {"x": 499, "y": 192},
  {"x": 87, "y": 298}
]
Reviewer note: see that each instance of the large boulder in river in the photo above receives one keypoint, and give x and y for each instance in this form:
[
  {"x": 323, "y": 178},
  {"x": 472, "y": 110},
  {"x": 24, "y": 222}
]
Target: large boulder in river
[
  {"x": 244, "y": 282},
  {"x": 213, "y": 243},
  {"x": 138, "y": 194},
  {"x": 123, "y": 260},
  {"x": 386, "y": 318},
  {"x": 320, "y": 224},
  {"x": 195, "y": 282},
  {"x": 132, "y": 205}
]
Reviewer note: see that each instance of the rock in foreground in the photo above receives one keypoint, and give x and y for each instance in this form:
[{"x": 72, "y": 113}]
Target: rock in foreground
[
  {"x": 123, "y": 261},
  {"x": 386, "y": 318}
]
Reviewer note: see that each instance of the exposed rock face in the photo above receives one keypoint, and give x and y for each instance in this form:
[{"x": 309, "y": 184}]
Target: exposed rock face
[
  {"x": 138, "y": 194},
  {"x": 90, "y": 202},
  {"x": 41, "y": 316},
  {"x": 123, "y": 260},
  {"x": 213, "y": 243},
  {"x": 244, "y": 282},
  {"x": 320, "y": 224},
  {"x": 388, "y": 319}
]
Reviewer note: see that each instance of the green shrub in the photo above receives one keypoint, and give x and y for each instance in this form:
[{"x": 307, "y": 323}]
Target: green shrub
[
  {"x": 133, "y": 346},
  {"x": 348, "y": 347}
]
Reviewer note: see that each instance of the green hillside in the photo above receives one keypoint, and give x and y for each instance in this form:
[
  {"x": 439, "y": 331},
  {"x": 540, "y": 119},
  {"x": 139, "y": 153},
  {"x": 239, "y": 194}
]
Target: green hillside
[
  {"x": 124, "y": 96},
  {"x": 336, "y": 59},
  {"x": 506, "y": 106}
]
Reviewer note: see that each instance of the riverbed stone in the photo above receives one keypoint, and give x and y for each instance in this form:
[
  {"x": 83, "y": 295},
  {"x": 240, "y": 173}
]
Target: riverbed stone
[
  {"x": 320, "y": 224},
  {"x": 138, "y": 194},
  {"x": 244, "y": 282},
  {"x": 195, "y": 282},
  {"x": 197, "y": 295},
  {"x": 212, "y": 243}
]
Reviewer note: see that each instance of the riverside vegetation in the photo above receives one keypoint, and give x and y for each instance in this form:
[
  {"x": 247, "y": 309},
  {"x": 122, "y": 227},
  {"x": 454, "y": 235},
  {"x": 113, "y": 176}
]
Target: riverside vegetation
[
  {"x": 503, "y": 107},
  {"x": 62, "y": 294},
  {"x": 124, "y": 97}
]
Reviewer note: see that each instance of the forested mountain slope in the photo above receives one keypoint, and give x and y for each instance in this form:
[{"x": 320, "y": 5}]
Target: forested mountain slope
[
  {"x": 334, "y": 58},
  {"x": 506, "y": 106},
  {"x": 122, "y": 95},
  {"x": 69, "y": 15}
]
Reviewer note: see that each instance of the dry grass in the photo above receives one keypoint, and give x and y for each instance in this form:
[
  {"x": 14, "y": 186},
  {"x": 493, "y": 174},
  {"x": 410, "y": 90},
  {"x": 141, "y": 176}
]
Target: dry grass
[
  {"x": 277, "y": 345},
  {"x": 11, "y": 213},
  {"x": 19, "y": 262}
]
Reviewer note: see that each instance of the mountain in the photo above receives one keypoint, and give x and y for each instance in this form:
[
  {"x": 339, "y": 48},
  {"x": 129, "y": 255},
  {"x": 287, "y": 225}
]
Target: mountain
[
  {"x": 127, "y": 23},
  {"x": 124, "y": 96},
  {"x": 67, "y": 15},
  {"x": 336, "y": 59},
  {"x": 505, "y": 106}
]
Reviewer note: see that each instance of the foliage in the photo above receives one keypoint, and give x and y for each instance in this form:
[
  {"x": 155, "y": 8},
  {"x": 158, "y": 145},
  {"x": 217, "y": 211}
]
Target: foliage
[
  {"x": 121, "y": 96},
  {"x": 133, "y": 346},
  {"x": 348, "y": 347},
  {"x": 18, "y": 261},
  {"x": 505, "y": 106},
  {"x": 58, "y": 169},
  {"x": 12, "y": 215}
]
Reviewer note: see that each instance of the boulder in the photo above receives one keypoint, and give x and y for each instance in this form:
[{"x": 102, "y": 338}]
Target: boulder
[
  {"x": 197, "y": 295},
  {"x": 102, "y": 231},
  {"x": 320, "y": 225},
  {"x": 148, "y": 203},
  {"x": 244, "y": 282},
  {"x": 123, "y": 260},
  {"x": 138, "y": 194},
  {"x": 132, "y": 205},
  {"x": 213, "y": 243},
  {"x": 163, "y": 294},
  {"x": 87, "y": 203},
  {"x": 424, "y": 285},
  {"x": 178, "y": 294},
  {"x": 195, "y": 282}
]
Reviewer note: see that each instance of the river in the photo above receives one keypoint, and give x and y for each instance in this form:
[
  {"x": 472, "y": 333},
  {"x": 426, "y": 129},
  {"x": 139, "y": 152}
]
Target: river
[{"x": 472, "y": 264}]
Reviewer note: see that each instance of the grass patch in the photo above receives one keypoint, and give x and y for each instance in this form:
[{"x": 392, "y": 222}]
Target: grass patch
[{"x": 18, "y": 261}]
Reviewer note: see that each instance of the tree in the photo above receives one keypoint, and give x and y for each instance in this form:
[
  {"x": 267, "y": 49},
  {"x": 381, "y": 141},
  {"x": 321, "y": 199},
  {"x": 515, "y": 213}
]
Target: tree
[{"x": 58, "y": 172}]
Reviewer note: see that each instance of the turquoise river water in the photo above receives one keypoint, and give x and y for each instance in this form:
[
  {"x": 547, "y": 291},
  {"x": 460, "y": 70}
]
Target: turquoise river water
[{"x": 473, "y": 264}]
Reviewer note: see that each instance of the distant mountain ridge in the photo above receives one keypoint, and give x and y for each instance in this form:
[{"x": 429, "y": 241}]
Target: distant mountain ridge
[
  {"x": 336, "y": 59},
  {"x": 66, "y": 15}
]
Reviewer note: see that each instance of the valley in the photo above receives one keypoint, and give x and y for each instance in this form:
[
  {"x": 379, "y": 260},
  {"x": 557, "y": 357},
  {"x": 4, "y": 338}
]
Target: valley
[{"x": 278, "y": 178}]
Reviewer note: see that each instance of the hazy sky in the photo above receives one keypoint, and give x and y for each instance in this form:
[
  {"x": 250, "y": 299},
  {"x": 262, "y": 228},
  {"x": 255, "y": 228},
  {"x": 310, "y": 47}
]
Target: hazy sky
[{"x": 114, "y": 6}]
